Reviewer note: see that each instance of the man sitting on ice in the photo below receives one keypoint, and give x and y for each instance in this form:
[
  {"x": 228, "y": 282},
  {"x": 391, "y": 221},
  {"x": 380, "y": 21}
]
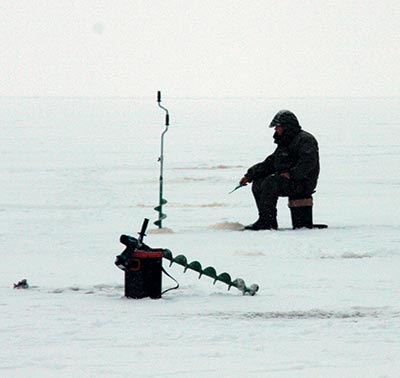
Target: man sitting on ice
[{"x": 291, "y": 171}]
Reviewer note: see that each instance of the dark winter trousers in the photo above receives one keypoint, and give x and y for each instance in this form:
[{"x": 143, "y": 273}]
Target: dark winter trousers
[{"x": 266, "y": 191}]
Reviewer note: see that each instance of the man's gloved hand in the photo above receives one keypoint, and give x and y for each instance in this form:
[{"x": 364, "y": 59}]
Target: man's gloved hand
[{"x": 244, "y": 181}]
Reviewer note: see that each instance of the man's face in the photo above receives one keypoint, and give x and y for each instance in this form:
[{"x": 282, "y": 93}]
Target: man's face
[{"x": 279, "y": 130}]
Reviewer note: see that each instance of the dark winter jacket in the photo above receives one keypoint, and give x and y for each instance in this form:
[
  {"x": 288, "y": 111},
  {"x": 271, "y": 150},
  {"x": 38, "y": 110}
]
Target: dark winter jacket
[{"x": 297, "y": 154}]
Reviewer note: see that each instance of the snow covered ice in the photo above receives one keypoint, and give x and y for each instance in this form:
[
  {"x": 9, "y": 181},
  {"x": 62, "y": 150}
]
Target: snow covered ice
[{"x": 76, "y": 173}]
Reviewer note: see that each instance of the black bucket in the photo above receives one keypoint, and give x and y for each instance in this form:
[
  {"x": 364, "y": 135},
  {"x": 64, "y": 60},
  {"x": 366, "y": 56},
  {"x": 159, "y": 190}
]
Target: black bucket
[{"x": 143, "y": 274}]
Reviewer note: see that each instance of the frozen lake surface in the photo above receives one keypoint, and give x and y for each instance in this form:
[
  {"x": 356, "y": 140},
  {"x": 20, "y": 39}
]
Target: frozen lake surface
[{"x": 76, "y": 173}]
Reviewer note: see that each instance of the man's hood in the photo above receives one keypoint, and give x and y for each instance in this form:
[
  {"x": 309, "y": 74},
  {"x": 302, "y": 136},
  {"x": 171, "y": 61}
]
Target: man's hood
[{"x": 285, "y": 119}]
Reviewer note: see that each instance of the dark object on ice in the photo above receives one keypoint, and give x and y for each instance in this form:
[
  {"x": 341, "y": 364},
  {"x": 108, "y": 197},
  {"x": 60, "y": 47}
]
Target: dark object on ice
[
  {"x": 23, "y": 284},
  {"x": 301, "y": 212},
  {"x": 143, "y": 276},
  {"x": 292, "y": 171},
  {"x": 143, "y": 267},
  {"x": 210, "y": 272},
  {"x": 162, "y": 201},
  {"x": 261, "y": 224}
]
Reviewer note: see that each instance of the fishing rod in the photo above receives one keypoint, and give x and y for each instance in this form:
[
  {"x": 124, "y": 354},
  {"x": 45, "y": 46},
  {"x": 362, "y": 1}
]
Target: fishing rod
[{"x": 237, "y": 187}]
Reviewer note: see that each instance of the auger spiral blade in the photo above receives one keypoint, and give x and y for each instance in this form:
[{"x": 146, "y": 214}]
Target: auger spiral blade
[
  {"x": 181, "y": 260},
  {"x": 161, "y": 215},
  {"x": 196, "y": 266},
  {"x": 210, "y": 272},
  {"x": 225, "y": 278},
  {"x": 162, "y": 203},
  {"x": 167, "y": 254},
  {"x": 240, "y": 285}
]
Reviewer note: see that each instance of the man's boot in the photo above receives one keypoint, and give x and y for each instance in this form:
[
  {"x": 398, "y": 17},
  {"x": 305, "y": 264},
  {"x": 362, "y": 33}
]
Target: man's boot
[{"x": 265, "y": 221}]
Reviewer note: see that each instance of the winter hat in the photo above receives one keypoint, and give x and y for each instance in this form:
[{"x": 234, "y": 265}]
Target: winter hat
[{"x": 285, "y": 118}]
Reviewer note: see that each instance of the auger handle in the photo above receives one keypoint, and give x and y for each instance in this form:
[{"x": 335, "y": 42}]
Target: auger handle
[
  {"x": 163, "y": 108},
  {"x": 142, "y": 232}
]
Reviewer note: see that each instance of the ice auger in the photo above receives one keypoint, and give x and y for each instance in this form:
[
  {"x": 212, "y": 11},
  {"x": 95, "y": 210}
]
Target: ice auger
[
  {"x": 162, "y": 201},
  {"x": 143, "y": 265},
  {"x": 210, "y": 272}
]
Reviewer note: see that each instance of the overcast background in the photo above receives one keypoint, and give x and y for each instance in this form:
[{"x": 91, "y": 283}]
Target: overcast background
[{"x": 200, "y": 48}]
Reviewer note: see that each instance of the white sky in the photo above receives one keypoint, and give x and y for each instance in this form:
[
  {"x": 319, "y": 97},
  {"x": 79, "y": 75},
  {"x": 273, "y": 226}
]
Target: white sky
[{"x": 200, "y": 48}]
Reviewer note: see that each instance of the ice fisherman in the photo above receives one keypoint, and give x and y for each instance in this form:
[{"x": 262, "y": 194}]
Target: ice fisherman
[{"x": 290, "y": 171}]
